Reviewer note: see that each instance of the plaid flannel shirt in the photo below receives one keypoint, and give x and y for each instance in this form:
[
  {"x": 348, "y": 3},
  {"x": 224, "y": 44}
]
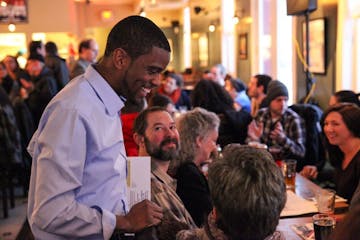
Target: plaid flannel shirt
[{"x": 293, "y": 146}]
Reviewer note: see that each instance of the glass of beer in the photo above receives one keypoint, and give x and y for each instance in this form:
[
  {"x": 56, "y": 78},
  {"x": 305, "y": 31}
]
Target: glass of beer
[
  {"x": 323, "y": 226},
  {"x": 289, "y": 170},
  {"x": 326, "y": 201}
]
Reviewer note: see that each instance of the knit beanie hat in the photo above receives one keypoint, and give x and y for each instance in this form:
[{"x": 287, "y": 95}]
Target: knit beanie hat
[{"x": 276, "y": 89}]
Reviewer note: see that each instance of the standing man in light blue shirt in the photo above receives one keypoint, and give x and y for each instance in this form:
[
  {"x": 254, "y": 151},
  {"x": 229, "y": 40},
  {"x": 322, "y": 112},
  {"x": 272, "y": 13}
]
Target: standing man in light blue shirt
[{"x": 78, "y": 176}]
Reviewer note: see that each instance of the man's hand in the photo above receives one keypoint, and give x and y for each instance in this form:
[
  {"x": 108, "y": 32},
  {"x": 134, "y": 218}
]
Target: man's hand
[
  {"x": 255, "y": 130},
  {"x": 278, "y": 133},
  {"x": 142, "y": 215},
  {"x": 309, "y": 171}
]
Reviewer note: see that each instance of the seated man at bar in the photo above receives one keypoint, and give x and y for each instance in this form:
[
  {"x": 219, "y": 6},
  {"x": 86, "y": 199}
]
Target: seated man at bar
[
  {"x": 277, "y": 126},
  {"x": 156, "y": 134},
  {"x": 257, "y": 90},
  {"x": 245, "y": 205}
]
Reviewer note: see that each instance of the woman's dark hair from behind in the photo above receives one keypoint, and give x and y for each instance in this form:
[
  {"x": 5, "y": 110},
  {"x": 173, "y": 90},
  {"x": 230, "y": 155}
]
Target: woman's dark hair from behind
[
  {"x": 347, "y": 96},
  {"x": 350, "y": 114},
  {"x": 211, "y": 96}
]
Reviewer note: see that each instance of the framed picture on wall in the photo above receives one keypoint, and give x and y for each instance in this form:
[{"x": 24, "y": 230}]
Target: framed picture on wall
[
  {"x": 243, "y": 46},
  {"x": 317, "y": 45},
  {"x": 12, "y": 11}
]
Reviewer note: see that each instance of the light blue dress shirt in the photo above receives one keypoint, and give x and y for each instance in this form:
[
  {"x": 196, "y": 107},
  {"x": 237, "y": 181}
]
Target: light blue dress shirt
[
  {"x": 79, "y": 162},
  {"x": 243, "y": 100}
]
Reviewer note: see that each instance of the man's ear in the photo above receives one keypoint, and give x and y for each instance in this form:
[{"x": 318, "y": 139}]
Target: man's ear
[
  {"x": 214, "y": 213},
  {"x": 139, "y": 140},
  {"x": 261, "y": 87},
  {"x": 120, "y": 58},
  {"x": 198, "y": 141}
]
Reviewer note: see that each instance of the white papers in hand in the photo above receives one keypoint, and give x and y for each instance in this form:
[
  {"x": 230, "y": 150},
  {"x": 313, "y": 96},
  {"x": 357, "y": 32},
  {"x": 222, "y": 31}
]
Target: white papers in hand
[{"x": 138, "y": 179}]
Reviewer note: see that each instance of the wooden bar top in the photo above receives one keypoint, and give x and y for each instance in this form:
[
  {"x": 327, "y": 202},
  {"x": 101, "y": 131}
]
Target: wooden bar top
[{"x": 306, "y": 189}]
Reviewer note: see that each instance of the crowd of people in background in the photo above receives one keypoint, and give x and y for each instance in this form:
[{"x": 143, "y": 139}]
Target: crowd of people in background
[{"x": 181, "y": 129}]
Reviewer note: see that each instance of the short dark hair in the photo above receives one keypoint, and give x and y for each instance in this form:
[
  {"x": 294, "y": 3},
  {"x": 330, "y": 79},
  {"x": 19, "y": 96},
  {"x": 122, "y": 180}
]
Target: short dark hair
[
  {"x": 263, "y": 80},
  {"x": 178, "y": 79},
  {"x": 137, "y": 36},
  {"x": 33, "y": 46},
  {"x": 85, "y": 44},
  {"x": 248, "y": 192},
  {"x": 51, "y": 48},
  {"x": 347, "y": 96},
  {"x": 350, "y": 114},
  {"x": 140, "y": 123},
  {"x": 237, "y": 84},
  {"x": 160, "y": 100}
]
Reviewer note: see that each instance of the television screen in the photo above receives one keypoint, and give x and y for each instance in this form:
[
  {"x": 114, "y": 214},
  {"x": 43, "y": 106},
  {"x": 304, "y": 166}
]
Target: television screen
[{"x": 13, "y": 11}]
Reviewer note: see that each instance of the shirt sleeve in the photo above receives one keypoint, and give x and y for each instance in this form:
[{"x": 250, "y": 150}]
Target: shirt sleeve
[
  {"x": 59, "y": 158},
  {"x": 294, "y": 142}
]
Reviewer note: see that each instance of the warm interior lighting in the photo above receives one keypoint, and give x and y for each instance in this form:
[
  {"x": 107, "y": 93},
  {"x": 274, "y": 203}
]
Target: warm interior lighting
[
  {"x": 212, "y": 27},
  {"x": 106, "y": 15},
  {"x": 235, "y": 19},
  {"x": 12, "y": 27},
  {"x": 203, "y": 51},
  {"x": 142, "y": 12},
  {"x": 3, "y": 4},
  {"x": 354, "y": 8},
  {"x": 176, "y": 26},
  {"x": 247, "y": 20}
]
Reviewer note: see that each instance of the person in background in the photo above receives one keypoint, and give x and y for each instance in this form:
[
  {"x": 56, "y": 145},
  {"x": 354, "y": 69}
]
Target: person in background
[
  {"x": 342, "y": 142},
  {"x": 237, "y": 90},
  {"x": 36, "y": 48},
  {"x": 157, "y": 136},
  {"x": 164, "y": 101},
  {"x": 345, "y": 96},
  {"x": 42, "y": 87},
  {"x": 342, "y": 96},
  {"x": 88, "y": 51},
  {"x": 257, "y": 90},
  {"x": 172, "y": 88},
  {"x": 349, "y": 227},
  {"x": 206, "y": 75},
  {"x": 16, "y": 73},
  {"x": 5, "y": 80},
  {"x": 233, "y": 124},
  {"x": 128, "y": 115},
  {"x": 218, "y": 72},
  {"x": 56, "y": 64},
  {"x": 78, "y": 176},
  {"x": 355, "y": 201},
  {"x": 279, "y": 126},
  {"x": 198, "y": 131},
  {"x": 245, "y": 206}
]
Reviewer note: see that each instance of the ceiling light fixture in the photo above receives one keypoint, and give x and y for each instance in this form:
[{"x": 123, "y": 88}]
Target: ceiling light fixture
[
  {"x": 212, "y": 27},
  {"x": 142, "y": 12},
  {"x": 12, "y": 27},
  {"x": 176, "y": 26}
]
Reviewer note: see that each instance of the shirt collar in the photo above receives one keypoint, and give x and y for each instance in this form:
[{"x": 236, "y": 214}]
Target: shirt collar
[
  {"x": 113, "y": 103},
  {"x": 164, "y": 177}
]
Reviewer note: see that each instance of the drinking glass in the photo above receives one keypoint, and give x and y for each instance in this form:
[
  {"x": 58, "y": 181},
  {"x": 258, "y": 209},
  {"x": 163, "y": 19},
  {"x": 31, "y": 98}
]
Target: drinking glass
[
  {"x": 325, "y": 199},
  {"x": 289, "y": 171},
  {"x": 323, "y": 226}
]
